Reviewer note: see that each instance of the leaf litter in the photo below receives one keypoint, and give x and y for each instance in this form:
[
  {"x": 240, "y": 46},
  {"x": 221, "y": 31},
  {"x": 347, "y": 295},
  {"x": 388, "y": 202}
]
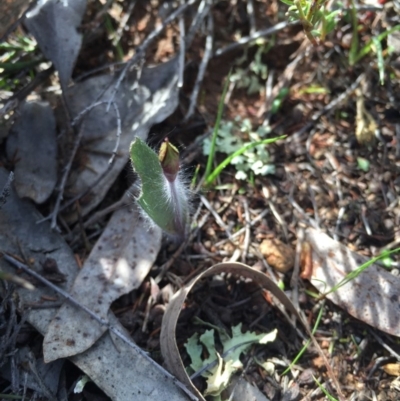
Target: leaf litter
[
  {"x": 315, "y": 181},
  {"x": 120, "y": 374},
  {"x": 33, "y": 144}
]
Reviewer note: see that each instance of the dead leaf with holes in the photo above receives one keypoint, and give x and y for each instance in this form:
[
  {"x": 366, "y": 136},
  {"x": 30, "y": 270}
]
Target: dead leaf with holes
[
  {"x": 118, "y": 264},
  {"x": 118, "y": 369},
  {"x": 372, "y": 297}
]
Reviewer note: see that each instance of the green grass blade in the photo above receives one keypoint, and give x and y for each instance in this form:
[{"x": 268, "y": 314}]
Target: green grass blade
[
  {"x": 367, "y": 48},
  {"x": 323, "y": 389},
  {"x": 212, "y": 176},
  {"x": 354, "y": 274},
  {"x": 379, "y": 55},
  {"x": 301, "y": 352},
  {"x": 221, "y": 104}
]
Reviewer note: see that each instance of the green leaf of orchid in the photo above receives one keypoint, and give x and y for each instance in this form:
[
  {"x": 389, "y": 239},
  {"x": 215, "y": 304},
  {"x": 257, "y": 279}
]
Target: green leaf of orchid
[{"x": 163, "y": 195}]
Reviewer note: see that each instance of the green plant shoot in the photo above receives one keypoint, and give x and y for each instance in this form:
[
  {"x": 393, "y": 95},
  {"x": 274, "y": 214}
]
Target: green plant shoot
[{"x": 163, "y": 194}]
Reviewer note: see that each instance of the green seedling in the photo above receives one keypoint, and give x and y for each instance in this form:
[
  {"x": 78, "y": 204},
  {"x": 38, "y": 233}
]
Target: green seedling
[
  {"x": 252, "y": 76},
  {"x": 256, "y": 161},
  {"x": 355, "y": 273},
  {"x": 119, "y": 53},
  {"x": 211, "y": 155},
  {"x": 316, "y": 19},
  {"x": 216, "y": 368},
  {"x": 163, "y": 196},
  {"x": 374, "y": 44},
  {"x": 324, "y": 390}
]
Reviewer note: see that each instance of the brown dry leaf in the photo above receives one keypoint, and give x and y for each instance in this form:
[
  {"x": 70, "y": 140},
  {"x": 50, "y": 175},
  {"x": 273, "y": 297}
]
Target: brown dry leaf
[
  {"x": 169, "y": 347},
  {"x": 372, "y": 297},
  {"x": 280, "y": 256},
  {"x": 392, "y": 369}
]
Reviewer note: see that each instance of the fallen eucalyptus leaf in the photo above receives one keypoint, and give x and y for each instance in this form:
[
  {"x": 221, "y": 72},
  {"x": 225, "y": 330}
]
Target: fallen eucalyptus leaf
[
  {"x": 244, "y": 391},
  {"x": 117, "y": 368},
  {"x": 32, "y": 143},
  {"x": 118, "y": 263},
  {"x": 140, "y": 104},
  {"x": 54, "y": 25},
  {"x": 169, "y": 347},
  {"x": 372, "y": 297}
]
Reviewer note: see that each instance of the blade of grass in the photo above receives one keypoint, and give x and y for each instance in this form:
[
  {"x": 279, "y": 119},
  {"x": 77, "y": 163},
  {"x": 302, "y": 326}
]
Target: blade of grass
[
  {"x": 323, "y": 389},
  {"x": 221, "y": 104},
  {"x": 301, "y": 352},
  {"x": 353, "y": 53},
  {"x": 355, "y": 273},
  {"x": 367, "y": 48},
  {"x": 212, "y": 176}
]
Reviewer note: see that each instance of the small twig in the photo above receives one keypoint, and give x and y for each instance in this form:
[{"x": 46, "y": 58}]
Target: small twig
[
  {"x": 202, "y": 11},
  {"x": 241, "y": 230},
  {"x": 314, "y": 203},
  {"x": 202, "y": 68},
  {"x": 5, "y": 193},
  {"x": 64, "y": 178},
  {"x": 384, "y": 345},
  {"x": 279, "y": 219},
  {"x": 16, "y": 263},
  {"x": 182, "y": 48},
  {"x": 247, "y": 234},
  {"x": 123, "y": 22},
  {"x": 144, "y": 45},
  {"x": 259, "y": 34},
  {"x": 252, "y": 19},
  {"x": 119, "y": 130},
  {"x": 294, "y": 280},
  {"x": 217, "y": 217},
  {"x": 58, "y": 208}
]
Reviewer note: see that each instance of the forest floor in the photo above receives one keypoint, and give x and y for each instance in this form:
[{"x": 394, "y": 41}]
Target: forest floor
[{"x": 337, "y": 170}]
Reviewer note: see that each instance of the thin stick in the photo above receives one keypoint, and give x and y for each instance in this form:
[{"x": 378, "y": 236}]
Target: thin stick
[
  {"x": 259, "y": 34},
  {"x": 64, "y": 178},
  {"x": 58, "y": 208},
  {"x": 16, "y": 263},
  {"x": 252, "y": 19},
  {"x": 123, "y": 22},
  {"x": 217, "y": 217},
  {"x": 247, "y": 234},
  {"x": 5, "y": 193},
  {"x": 202, "y": 12},
  {"x": 182, "y": 48},
  {"x": 202, "y": 68}
]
